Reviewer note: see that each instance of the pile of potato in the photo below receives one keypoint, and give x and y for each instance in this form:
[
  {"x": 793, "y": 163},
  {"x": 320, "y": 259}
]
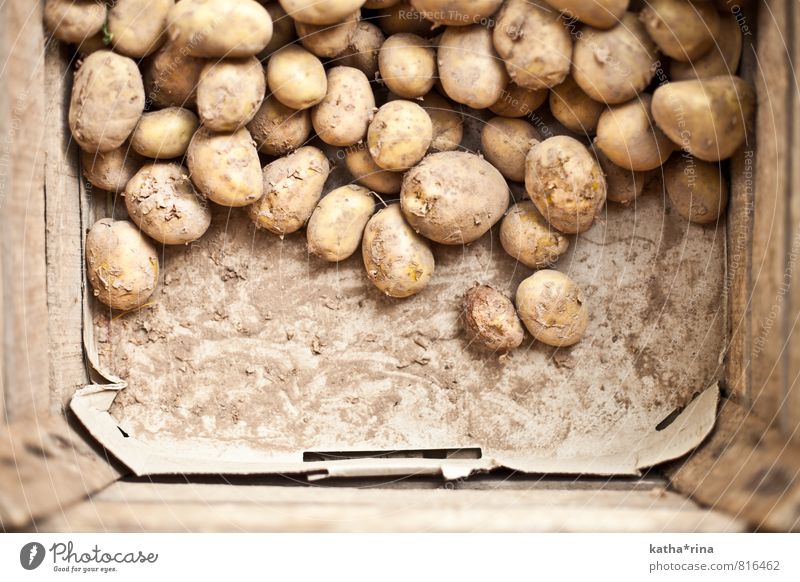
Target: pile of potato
[{"x": 178, "y": 103}]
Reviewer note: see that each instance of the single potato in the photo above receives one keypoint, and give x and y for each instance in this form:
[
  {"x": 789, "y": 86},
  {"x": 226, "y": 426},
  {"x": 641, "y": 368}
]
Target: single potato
[
  {"x": 457, "y": 12},
  {"x": 296, "y": 78},
  {"x": 110, "y": 170},
  {"x": 283, "y": 30},
  {"x": 447, "y": 123},
  {"x": 316, "y": 12},
  {"x": 490, "y": 321},
  {"x": 277, "y": 129},
  {"x": 682, "y": 29},
  {"x": 471, "y": 71},
  {"x": 402, "y": 17},
  {"x": 722, "y": 59},
  {"x": 328, "y": 40},
  {"x": 505, "y": 142},
  {"x": 164, "y": 133},
  {"x": 74, "y": 21},
  {"x": 138, "y": 27},
  {"x": 337, "y": 224},
  {"x": 171, "y": 77},
  {"x": 229, "y": 93},
  {"x": 369, "y": 174},
  {"x": 573, "y": 108},
  {"x": 407, "y": 64},
  {"x": 526, "y": 236},
  {"x": 343, "y": 116},
  {"x": 516, "y": 101},
  {"x": 595, "y": 13},
  {"x": 363, "y": 49},
  {"x": 697, "y": 190},
  {"x": 399, "y": 135},
  {"x": 624, "y": 186},
  {"x": 552, "y": 307}
]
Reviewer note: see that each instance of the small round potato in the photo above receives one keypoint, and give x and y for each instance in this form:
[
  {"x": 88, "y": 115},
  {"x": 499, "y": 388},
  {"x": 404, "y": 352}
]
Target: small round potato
[
  {"x": 399, "y": 135},
  {"x": 292, "y": 188},
  {"x": 74, "y": 21},
  {"x": 573, "y": 108},
  {"x": 399, "y": 262},
  {"x": 278, "y": 130},
  {"x": 283, "y": 31},
  {"x": 448, "y": 126},
  {"x": 722, "y": 59},
  {"x": 624, "y": 186},
  {"x": 526, "y": 236},
  {"x": 316, "y": 12},
  {"x": 457, "y": 12},
  {"x": 122, "y": 265},
  {"x": 171, "y": 77},
  {"x": 138, "y": 27},
  {"x": 337, "y": 224},
  {"x": 490, "y": 321},
  {"x": 164, "y": 133},
  {"x": 362, "y": 50},
  {"x": 220, "y": 28},
  {"x": 110, "y": 170},
  {"x": 296, "y": 77},
  {"x": 225, "y": 167},
  {"x": 162, "y": 202},
  {"x": 516, "y": 101},
  {"x": 471, "y": 71},
  {"x": 229, "y": 93},
  {"x": 505, "y": 142},
  {"x": 453, "y": 198},
  {"x": 682, "y": 29},
  {"x": 596, "y": 13},
  {"x": 407, "y": 63},
  {"x": 328, "y": 40},
  {"x": 534, "y": 43},
  {"x": 552, "y": 307},
  {"x": 402, "y": 17},
  {"x": 697, "y": 190},
  {"x": 107, "y": 101},
  {"x": 565, "y": 182},
  {"x": 343, "y": 116},
  {"x": 367, "y": 173}
]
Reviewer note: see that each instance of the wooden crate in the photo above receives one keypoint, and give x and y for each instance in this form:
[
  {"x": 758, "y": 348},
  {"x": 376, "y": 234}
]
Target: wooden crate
[{"x": 54, "y": 478}]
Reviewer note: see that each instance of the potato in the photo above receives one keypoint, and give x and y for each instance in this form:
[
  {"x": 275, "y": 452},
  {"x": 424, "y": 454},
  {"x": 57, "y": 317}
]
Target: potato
[
  {"x": 328, "y": 40},
  {"x": 624, "y": 186},
  {"x": 171, "y": 77},
  {"x": 92, "y": 45},
  {"x": 457, "y": 12},
  {"x": 362, "y": 50},
  {"x": 534, "y": 43},
  {"x": 453, "y": 198},
  {"x": 230, "y": 92},
  {"x": 697, "y": 190},
  {"x": 573, "y": 108},
  {"x": 292, "y": 188},
  {"x": 399, "y": 262},
  {"x": 343, "y": 116},
  {"x": 337, "y": 224},
  {"x": 74, "y": 21},
  {"x": 162, "y": 202},
  {"x": 613, "y": 66},
  {"x": 225, "y": 167},
  {"x": 316, "y": 12},
  {"x": 110, "y": 170},
  {"x": 470, "y": 70},
  {"x": 403, "y": 17},
  {"x": 277, "y": 129},
  {"x": 283, "y": 31},
  {"x": 505, "y": 142},
  {"x": 122, "y": 265},
  {"x": 596, "y": 13},
  {"x": 220, "y": 28},
  {"x": 629, "y": 137},
  {"x": 565, "y": 183},
  {"x": 682, "y": 29},
  {"x": 552, "y": 307},
  {"x": 138, "y": 27},
  {"x": 526, "y": 236},
  {"x": 448, "y": 126},
  {"x": 367, "y": 173},
  {"x": 516, "y": 101},
  {"x": 490, "y": 321},
  {"x": 722, "y": 59},
  {"x": 399, "y": 135},
  {"x": 164, "y": 133},
  {"x": 407, "y": 65},
  {"x": 706, "y": 117},
  {"x": 107, "y": 101},
  {"x": 296, "y": 77}
]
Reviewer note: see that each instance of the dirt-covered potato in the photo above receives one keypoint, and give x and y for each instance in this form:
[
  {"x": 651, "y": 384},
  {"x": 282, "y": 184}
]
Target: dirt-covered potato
[
  {"x": 505, "y": 141},
  {"x": 697, "y": 190},
  {"x": 403, "y": 17},
  {"x": 399, "y": 135},
  {"x": 613, "y": 66},
  {"x": 399, "y": 262},
  {"x": 453, "y": 198},
  {"x": 74, "y": 20},
  {"x": 535, "y": 44},
  {"x": 343, "y": 116},
  {"x": 292, "y": 188},
  {"x": 277, "y": 129},
  {"x": 296, "y": 77},
  {"x": 457, "y": 12},
  {"x": 110, "y": 170},
  {"x": 328, "y": 40},
  {"x": 138, "y": 27},
  {"x": 162, "y": 202},
  {"x": 224, "y": 167},
  {"x": 448, "y": 125},
  {"x": 629, "y": 137},
  {"x": 407, "y": 63},
  {"x": 122, "y": 265},
  {"x": 552, "y": 307},
  {"x": 722, "y": 59},
  {"x": 219, "y": 28},
  {"x": 471, "y": 71},
  {"x": 516, "y": 101},
  {"x": 107, "y": 101},
  {"x": 283, "y": 32},
  {"x": 367, "y": 173},
  {"x": 706, "y": 117},
  {"x": 490, "y": 321},
  {"x": 316, "y": 12},
  {"x": 565, "y": 182},
  {"x": 230, "y": 92},
  {"x": 682, "y": 29},
  {"x": 573, "y": 108},
  {"x": 526, "y": 236},
  {"x": 171, "y": 77},
  {"x": 363, "y": 49},
  {"x": 164, "y": 133},
  {"x": 337, "y": 224},
  {"x": 624, "y": 186},
  {"x": 596, "y": 13}
]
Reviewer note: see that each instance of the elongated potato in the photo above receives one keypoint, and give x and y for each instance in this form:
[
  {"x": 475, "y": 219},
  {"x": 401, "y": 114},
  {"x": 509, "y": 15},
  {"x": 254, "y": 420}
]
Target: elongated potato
[
  {"x": 74, "y": 21},
  {"x": 403, "y": 17},
  {"x": 362, "y": 50},
  {"x": 407, "y": 64},
  {"x": 292, "y": 188},
  {"x": 722, "y": 59},
  {"x": 171, "y": 77},
  {"x": 624, "y": 186},
  {"x": 453, "y": 198},
  {"x": 367, "y": 173},
  {"x": 516, "y": 101},
  {"x": 107, "y": 101},
  {"x": 343, "y": 116},
  {"x": 399, "y": 262},
  {"x": 296, "y": 77},
  {"x": 230, "y": 92},
  {"x": 162, "y": 202},
  {"x": 122, "y": 265},
  {"x": 447, "y": 123},
  {"x": 534, "y": 43},
  {"x": 224, "y": 167},
  {"x": 220, "y": 28},
  {"x": 316, "y": 12},
  {"x": 165, "y": 133},
  {"x": 553, "y": 308},
  {"x": 505, "y": 142},
  {"x": 697, "y": 190},
  {"x": 526, "y": 236},
  {"x": 277, "y": 129},
  {"x": 471, "y": 71},
  {"x": 565, "y": 183},
  {"x": 457, "y": 12},
  {"x": 682, "y": 29},
  {"x": 573, "y": 108},
  {"x": 328, "y": 40},
  {"x": 110, "y": 170},
  {"x": 283, "y": 31},
  {"x": 596, "y": 13},
  {"x": 337, "y": 224},
  {"x": 138, "y": 27},
  {"x": 399, "y": 135},
  {"x": 490, "y": 321}
]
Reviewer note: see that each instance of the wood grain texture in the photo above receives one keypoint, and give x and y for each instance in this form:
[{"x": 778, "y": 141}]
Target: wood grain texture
[{"x": 789, "y": 416}]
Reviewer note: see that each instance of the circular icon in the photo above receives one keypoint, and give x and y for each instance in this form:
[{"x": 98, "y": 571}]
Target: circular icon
[{"x": 31, "y": 555}]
